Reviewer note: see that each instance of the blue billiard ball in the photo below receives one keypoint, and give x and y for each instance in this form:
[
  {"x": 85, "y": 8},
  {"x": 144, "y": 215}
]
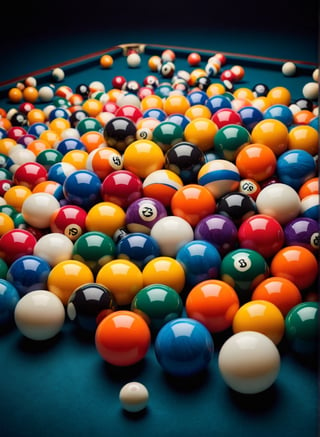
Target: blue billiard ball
[
  {"x": 184, "y": 347},
  {"x": 250, "y": 116},
  {"x": 138, "y": 247},
  {"x": 294, "y": 167},
  {"x": 281, "y": 113},
  {"x": 28, "y": 273},
  {"x": 9, "y": 297},
  {"x": 82, "y": 188},
  {"x": 200, "y": 260}
]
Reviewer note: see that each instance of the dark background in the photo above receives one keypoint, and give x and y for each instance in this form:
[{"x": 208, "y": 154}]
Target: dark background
[{"x": 72, "y": 28}]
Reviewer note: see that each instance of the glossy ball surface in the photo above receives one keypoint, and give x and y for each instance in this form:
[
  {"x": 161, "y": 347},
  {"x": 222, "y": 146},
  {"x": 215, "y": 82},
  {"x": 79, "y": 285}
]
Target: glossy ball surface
[
  {"x": 88, "y": 305},
  {"x": 53, "y": 248},
  {"x": 230, "y": 139},
  {"x": 119, "y": 132},
  {"x": 212, "y": 303},
  {"x": 138, "y": 247},
  {"x": 261, "y": 233},
  {"x": 28, "y": 273},
  {"x": 272, "y": 133},
  {"x": 122, "y": 338},
  {"x": 200, "y": 260},
  {"x": 185, "y": 159},
  {"x": 236, "y": 206},
  {"x": 256, "y": 161},
  {"x": 166, "y": 271},
  {"x": 297, "y": 264},
  {"x": 294, "y": 167},
  {"x": 184, "y": 347},
  {"x": 279, "y": 291},
  {"x": 105, "y": 217},
  {"x": 121, "y": 187},
  {"x": 143, "y": 157},
  {"x": 279, "y": 201},
  {"x": 302, "y": 328},
  {"x": 123, "y": 278},
  {"x": 249, "y": 362},
  {"x": 260, "y": 316},
  {"x": 303, "y": 231},
  {"x": 15, "y": 244},
  {"x": 219, "y": 176},
  {"x": 157, "y": 304},
  {"x": 69, "y": 220},
  {"x": 134, "y": 397},
  {"x": 9, "y": 298},
  {"x": 143, "y": 213},
  {"x": 162, "y": 185},
  {"x": 82, "y": 188},
  {"x": 39, "y": 315},
  {"x": 244, "y": 269},
  {"x": 38, "y": 208}
]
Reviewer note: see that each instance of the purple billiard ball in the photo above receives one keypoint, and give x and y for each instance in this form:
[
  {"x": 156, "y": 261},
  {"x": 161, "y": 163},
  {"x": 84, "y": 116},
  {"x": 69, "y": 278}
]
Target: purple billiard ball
[
  {"x": 302, "y": 231},
  {"x": 143, "y": 213},
  {"x": 219, "y": 230}
]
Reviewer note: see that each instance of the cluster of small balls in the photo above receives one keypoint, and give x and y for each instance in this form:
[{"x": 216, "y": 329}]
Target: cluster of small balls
[{"x": 163, "y": 195}]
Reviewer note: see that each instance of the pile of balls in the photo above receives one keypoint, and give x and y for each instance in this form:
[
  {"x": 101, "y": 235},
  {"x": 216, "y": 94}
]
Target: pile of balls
[{"x": 163, "y": 214}]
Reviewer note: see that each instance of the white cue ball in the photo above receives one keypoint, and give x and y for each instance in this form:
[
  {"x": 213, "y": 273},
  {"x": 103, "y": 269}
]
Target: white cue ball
[
  {"x": 311, "y": 90},
  {"x": 46, "y": 93},
  {"x": 39, "y": 315},
  {"x": 134, "y": 397},
  {"x": 57, "y": 74},
  {"x": 289, "y": 69},
  {"x": 133, "y": 60},
  {"x": 249, "y": 362}
]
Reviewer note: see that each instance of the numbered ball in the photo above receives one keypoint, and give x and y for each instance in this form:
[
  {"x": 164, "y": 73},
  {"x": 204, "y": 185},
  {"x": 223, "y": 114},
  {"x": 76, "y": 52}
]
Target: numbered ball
[
  {"x": 69, "y": 220},
  {"x": 244, "y": 269},
  {"x": 143, "y": 213}
]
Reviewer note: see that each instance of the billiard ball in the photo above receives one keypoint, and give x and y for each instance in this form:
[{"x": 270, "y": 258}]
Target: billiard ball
[
  {"x": 137, "y": 247},
  {"x": 218, "y": 230},
  {"x": 119, "y": 132},
  {"x": 302, "y": 324},
  {"x": 15, "y": 95},
  {"x": 250, "y": 116},
  {"x": 142, "y": 157},
  {"x": 29, "y": 174},
  {"x": 157, "y": 304},
  {"x": 106, "y": 61},
  {"x": 260, "y": 316},
  {"x": 280, "y": 291},
  {"x": 28, "y": 273},
  {"x": 171, "y": 233},
  {"x": 214, "y": 103},
  {"x": 261, "y": 233},
  {"x": 38, "y": 208},
  {"x": 57, "y": 74},
  {"x": 226, "y": 116},
  {"x": 69, "y": 220},
  {"x": 143, "y": 213},
  {"x": 311, "y": 90},
  {"x": 16, "y": 196},
  {"x": 53, "y": 248},
  {"x": 250, "y": 187},
  {"x": 192, "y": 202},
  {"x": 30, "y": 94},
  {"x": 134, "y": 397},
  {"x": 294, "y": 167},
  {"x": 6, "y": 223},
  {"x": 164, "y": 270},
  {"x": 39, "y": 315},
  {"x": 309, "y": 187},
  {"x": 94, "y": 249},
  {"x": 249, "y": 362},
  {"x": 203, "y": 82},
  {"x": 133, "y": 60},
  {"x": 289, "y": 68},
  {"x": 105, "y": 217},
  {"x": 213, "y": 303},
  {"x": 166, "y": 134},
  {"x": 131, "y": 86},
  {"x": 280, "y": 201},
  {"x": 219, "y": 176},
  {"x": 201, "y": 261},
  {"x": 9, "y": 298},
  {"x": 123, "y": 278},
  {"x": 82, "y": 188},
  {"x": 304, "y": 137},
  {"x": 88, "y": 305},
  {"x": 121, "y": 187},
  {"x": 166, "y": 69},
  {"x": 19, "y": 119},
  {"x": 129, "y": 111},
  {"x": 16, "y": 243},
  {"x": 66, "y": 276},
  {"x": 303, "y": 231},
  {"x": 194, "y": 59},
  {"x": 184, "y": 347},
  {"x": 256, "y": 161},
  {"x": 297, "y": 264},
  {"x": 237, "y": 206},
  {"x": 201, "y": 131},
  {"x": 260, "y": 89},
  {"x": 230, "y": 139},
  {"x": 243, "y": 269},
  {"x": 185, "y": 159},
  {"x": 122, "y": 338},
  {"x": 161, "y": 185}
]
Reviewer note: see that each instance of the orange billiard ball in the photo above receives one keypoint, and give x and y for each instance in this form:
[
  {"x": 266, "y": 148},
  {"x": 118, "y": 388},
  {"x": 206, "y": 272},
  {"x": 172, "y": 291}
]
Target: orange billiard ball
[
  {"x": 15, "y": 95},
  {"x": 213, "y": 303},
  {"x": 256, "y": 161},
  {"x": 194, "y": 59},
  {"x": 272, "y": 133},
  {"x": 106, "y": 61},
  {"x": 122, "y": 338},
  {"x": 30, "y": 94}
]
